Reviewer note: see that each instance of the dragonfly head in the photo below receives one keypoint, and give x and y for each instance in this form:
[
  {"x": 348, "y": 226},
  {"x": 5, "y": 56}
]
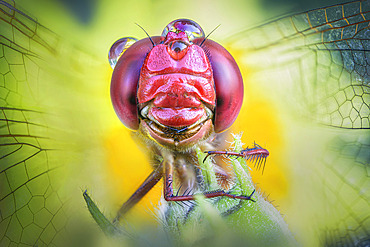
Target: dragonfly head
[{"x": 177, "y": 88}]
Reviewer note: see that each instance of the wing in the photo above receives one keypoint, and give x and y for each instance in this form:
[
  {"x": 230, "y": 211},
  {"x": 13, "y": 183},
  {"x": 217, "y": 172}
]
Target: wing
[
  {"x": 40, "y": 74},
  {"x": 326, "y": 54},
  {"x": 314, "y": 68},
  {"x": 26, "y": 167}
]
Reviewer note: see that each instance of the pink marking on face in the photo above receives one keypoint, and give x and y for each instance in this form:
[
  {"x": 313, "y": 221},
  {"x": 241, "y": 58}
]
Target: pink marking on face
[{"x": 195, "y": 61}]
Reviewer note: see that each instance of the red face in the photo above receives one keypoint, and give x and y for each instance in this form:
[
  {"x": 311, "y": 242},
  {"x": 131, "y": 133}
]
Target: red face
[{"x": 179, "y": 90}]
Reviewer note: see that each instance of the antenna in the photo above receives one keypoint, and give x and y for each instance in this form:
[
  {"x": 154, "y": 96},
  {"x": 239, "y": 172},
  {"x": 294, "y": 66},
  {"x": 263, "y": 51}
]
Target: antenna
[
  {"x": 146, "y": 34},
  {"x": 209, "y": 34}
]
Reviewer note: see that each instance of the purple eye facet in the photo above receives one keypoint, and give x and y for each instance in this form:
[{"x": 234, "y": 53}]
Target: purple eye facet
[{"x": 228, "y": 83}]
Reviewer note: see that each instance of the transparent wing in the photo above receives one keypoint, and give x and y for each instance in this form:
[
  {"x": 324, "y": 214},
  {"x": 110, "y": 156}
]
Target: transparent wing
[
  {"x": 315, "y": 68},
  {"x": 29, "y": 202},
  {"x": 36, "y": 74},
  {"x": 326, "y": 54}
]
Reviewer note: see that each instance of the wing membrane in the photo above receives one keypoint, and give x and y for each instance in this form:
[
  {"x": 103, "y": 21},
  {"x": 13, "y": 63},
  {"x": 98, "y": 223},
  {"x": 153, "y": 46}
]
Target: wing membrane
[
  {"x": 317, "y": 63},
  {"x": 322, "y": 55},
  {"x": 32, "y": 168},
  {"x": 25, "y": 168}
]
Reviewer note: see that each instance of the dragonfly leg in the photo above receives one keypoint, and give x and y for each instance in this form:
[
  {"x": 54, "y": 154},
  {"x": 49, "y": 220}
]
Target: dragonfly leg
[
  {"x": 169, "y": 196},
  {"x": 146, "y": 186},
  {"x": 256, "y": 154},
  {"x": 227, "y": 153}
]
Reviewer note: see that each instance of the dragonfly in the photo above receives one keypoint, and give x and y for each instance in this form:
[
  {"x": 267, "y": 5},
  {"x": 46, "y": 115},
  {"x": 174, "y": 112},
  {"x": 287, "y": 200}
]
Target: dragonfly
[
  {"x": 312, "y": 69},
  {"x": 179, "y": 107}
]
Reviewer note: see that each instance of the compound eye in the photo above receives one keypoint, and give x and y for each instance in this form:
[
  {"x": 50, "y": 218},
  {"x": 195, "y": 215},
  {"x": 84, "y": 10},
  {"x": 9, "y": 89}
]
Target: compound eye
[
  {"x": 118, "y": 48},
  {"x": 191, "y": 28},
  {"x": 125, "y": 80},
  {"x": 228, "y": 84}
]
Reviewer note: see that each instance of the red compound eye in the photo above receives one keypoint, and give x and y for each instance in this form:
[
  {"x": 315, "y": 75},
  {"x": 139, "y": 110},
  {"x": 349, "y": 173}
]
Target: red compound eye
[{"x": 228, "y": 83}]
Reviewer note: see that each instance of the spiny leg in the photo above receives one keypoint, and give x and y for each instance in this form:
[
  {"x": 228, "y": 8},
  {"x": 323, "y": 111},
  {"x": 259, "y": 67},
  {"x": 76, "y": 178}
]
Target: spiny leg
[
  {"x": 256, "y": 154},
  {"x": 227, "y": 153},
  {"x": 144, "y": 188},
  {"x": 168, "y": 189}
]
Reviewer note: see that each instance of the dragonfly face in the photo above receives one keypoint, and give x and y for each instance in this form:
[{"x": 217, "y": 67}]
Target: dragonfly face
[{"x": 178, "y": 88}]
